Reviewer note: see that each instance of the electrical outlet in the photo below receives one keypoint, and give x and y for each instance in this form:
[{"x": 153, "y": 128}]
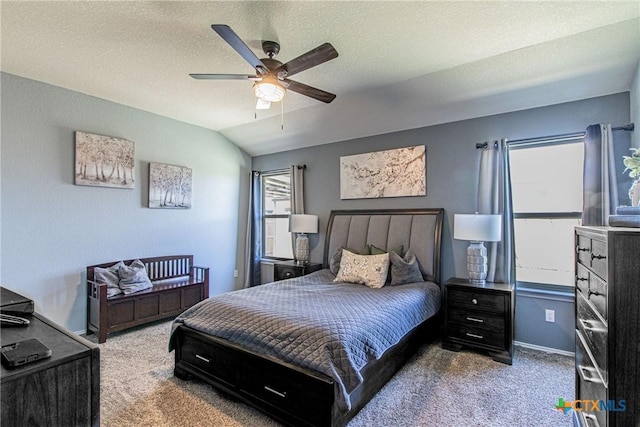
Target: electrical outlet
[
  {"x": 235, "y": 273},
  {"x": 550, "y": 315}
]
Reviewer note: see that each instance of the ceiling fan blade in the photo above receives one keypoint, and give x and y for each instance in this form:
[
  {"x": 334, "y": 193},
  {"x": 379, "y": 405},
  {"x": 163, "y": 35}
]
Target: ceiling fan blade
[
  {"x": 238, "y": 45},
  {"x": 317, "y": 56},
  {"x": 224, "y": 77},
  {"x": 309, "y": 91}
]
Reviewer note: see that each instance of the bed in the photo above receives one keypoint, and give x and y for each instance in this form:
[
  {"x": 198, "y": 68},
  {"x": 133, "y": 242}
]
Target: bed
[{"x": 307, "y": 351}]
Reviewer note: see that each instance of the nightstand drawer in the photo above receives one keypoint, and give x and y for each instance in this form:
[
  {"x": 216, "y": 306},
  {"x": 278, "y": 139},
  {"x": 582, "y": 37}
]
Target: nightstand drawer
[
  {"x": 283, "y": 272},
  {"x": 477, "y": 335},
  {"x": 476, "y": 300},
  {"x": 290, "y": 269},
  {"x": 477, "y": 320}
]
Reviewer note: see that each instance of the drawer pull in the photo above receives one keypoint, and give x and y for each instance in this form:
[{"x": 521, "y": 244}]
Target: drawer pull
[
  {"x": 288, "y": 274},
  {"x": 475, "y": 301},
  {"x": 474, "y": 336},
  {"x": 583, "y": 370},
  {"x": 596, "y": 293},
  {"x": 587, "y": 325},
  {"x": 203, "y": 358},
  {"x": 276, "y": 392},
  {"x": 597, "y": 257},
  {"x": 581, "y": 279},
  {"x": 473, "y": 319},
  {"x": 579, "y": 249},
  {"x": 591, "y": 420}
]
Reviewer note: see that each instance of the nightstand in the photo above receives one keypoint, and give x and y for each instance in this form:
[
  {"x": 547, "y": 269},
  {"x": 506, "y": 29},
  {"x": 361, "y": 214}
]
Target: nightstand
[
  {"x": 479, "y": 316},
  {"x": 288, "y": 269}
]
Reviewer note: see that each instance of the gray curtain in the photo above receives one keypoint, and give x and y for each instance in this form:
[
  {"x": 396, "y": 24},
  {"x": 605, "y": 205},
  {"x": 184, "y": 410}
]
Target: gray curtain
[
  {"x": 297, "y": 189},
  {"x": 600, "y": 182},
  {"x": 297, "y": 196},
  {"x": 494, "y": 197},
  {"x": 253, "y": 244}
]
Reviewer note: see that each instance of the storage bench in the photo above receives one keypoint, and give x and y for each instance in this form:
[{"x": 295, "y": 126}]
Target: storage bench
[{"x": 177, "y": 285}]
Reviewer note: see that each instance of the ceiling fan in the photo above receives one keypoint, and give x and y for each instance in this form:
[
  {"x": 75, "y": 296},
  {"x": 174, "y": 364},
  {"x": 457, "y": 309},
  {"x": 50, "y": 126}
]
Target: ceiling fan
[{"x": 272, "y": 76}]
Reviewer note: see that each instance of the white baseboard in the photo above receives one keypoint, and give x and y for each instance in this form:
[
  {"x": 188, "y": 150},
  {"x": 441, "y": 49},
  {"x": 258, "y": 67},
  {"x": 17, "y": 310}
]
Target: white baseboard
[{"x": 545, "y": 349}]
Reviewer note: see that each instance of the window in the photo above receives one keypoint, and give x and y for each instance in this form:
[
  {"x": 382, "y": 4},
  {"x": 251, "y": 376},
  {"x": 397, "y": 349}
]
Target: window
[
  {"x": 546, "y": 183},
  {"x": 276, "y": 208}
]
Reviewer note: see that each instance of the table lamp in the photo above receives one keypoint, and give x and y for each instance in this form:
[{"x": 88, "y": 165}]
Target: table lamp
[
  {"x": 477, "y": 229},
  {"x": 303, "y": 224}
]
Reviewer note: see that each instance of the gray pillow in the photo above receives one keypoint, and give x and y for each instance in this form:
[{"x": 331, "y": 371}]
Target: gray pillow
[
  {"x": 404, "y": 270},
  {"x": 336, "y": 257},
  {"x": 133, "y": 277},
  {"x": 110, "y": 277}
]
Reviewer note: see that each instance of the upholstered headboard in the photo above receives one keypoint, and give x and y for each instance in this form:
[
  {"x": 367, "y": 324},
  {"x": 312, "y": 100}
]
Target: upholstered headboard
[{"x": 418, "y": 229}]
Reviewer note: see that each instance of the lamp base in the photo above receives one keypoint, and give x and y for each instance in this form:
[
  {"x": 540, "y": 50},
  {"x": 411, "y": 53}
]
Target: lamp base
[
  {"x": 477, "y": 263},
  {"x": 302, "y": 249}
]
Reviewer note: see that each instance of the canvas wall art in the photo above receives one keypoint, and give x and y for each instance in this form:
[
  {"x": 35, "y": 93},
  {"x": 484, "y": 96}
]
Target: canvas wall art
[
  {"x": 169, "y": 186},
  {"x": 388, "y": 173},
  {"x": 104, "y": 161}
]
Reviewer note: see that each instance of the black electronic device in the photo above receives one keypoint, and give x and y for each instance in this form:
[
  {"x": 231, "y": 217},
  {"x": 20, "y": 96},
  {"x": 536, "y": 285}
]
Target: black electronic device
[
  {"x": 22, "y": 352},
  {"x": 13, "y": 303}
]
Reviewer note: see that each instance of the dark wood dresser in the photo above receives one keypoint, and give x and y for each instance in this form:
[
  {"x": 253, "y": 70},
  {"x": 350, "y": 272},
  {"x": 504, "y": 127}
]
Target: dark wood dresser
[
  {"x": 63, "y": 390},
  {"x": 607, "y": 326},
  {"x": 479, "y": 316}
]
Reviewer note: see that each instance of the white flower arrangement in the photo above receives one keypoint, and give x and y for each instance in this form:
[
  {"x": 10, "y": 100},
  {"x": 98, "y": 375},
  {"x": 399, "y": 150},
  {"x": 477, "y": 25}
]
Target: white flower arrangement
[{"x": 632, "y": 163}]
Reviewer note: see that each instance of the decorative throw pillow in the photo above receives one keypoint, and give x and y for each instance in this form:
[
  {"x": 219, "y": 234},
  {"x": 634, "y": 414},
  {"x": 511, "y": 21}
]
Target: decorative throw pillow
[
  {"x": 370, "y": 270},
  {"x": 133, "y": 277},
  {"x": 110, "y": 277},
  {"x": 334, "y": 262},
  {"x": 405, "y": 270}
]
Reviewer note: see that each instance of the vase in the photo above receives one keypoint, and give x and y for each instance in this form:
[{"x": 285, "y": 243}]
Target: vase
[{"x": 634, "y": 193}]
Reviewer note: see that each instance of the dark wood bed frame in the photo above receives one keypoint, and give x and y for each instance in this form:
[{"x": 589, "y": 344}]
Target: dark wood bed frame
[{"x": 288, "y": 393}]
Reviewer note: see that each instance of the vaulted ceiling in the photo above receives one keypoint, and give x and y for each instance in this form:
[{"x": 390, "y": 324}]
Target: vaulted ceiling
[{"x": 401, "y": 65}]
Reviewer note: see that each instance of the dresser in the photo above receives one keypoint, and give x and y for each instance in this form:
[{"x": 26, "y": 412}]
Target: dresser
[
  {"x": 607, "y": 311},
  {"x": 479, "y": 316},
  {"x": 288, "y": 269},
  {"x": 63, "y": 390}
]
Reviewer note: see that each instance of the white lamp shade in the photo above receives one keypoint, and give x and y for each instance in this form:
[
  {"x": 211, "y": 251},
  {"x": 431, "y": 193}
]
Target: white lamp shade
[
  {"x": 477, "y": 227},
  {"x": 302, "y": 223}
]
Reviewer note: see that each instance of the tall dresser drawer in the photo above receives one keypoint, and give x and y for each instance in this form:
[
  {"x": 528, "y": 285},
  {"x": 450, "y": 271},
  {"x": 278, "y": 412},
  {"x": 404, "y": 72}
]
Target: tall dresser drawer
[
  {"x": 599, "y": 258},
  {"x": 592, "y": 253},
  {"x": 594, "y": 332},
  {"x": 597, "y": 295},
  {"x": 470, "y": 299},
  {"x": 590, "y": 386},
  {"x": 582, "y": 279}
]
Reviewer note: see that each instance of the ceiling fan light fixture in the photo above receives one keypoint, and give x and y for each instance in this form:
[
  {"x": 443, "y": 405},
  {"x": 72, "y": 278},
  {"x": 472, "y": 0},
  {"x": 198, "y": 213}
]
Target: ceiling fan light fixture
[{"x": 269, "y": 89}]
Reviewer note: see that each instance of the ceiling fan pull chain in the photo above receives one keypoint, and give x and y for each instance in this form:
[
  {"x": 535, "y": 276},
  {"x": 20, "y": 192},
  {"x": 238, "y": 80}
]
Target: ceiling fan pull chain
[{"x": 282, "y": 114}]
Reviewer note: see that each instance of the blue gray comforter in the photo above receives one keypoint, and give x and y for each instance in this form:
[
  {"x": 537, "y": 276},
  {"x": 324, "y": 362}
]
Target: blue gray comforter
[{"x": 332, "y": 328}]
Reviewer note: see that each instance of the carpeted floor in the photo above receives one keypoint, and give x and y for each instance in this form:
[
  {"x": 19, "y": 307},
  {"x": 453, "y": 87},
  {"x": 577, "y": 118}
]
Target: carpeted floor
[{"x": 436, "y": 388}]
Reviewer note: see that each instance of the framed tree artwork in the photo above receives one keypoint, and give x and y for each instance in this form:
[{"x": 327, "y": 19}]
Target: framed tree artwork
[
  {"x": 389, "y": 173},
  {"x": 169, "y": 186},
  {"x": 104, "y": 161}
]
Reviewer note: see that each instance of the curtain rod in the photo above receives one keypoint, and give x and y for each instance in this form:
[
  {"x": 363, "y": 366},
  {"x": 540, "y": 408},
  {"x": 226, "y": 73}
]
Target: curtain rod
[
  {"x": 558, "y": 138},
  {"x": 629, "y": 128}
]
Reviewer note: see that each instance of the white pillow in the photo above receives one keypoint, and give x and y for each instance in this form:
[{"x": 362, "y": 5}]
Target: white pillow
[{"x": 370, "y": 270}]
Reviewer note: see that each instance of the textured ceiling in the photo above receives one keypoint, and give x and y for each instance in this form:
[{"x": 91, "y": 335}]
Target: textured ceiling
[{"x": 401, "y": 65}]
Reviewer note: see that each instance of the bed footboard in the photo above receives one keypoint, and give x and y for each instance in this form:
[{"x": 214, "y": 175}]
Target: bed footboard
[{"x": 290, "y": 394}]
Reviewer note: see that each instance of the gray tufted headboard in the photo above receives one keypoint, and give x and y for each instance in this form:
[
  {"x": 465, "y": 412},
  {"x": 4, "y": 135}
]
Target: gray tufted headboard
[{"x": 418, "y": 229}]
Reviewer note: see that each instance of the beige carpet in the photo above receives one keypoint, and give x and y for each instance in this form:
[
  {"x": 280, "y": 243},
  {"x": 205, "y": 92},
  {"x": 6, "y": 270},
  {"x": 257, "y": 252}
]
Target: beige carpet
[{"x": 436, "y": 388}]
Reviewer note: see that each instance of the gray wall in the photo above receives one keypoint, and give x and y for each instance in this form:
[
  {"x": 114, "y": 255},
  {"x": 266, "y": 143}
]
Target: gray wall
[
  {"x": 452, "y": 167},
  {"x": 51, "y": 229}
]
